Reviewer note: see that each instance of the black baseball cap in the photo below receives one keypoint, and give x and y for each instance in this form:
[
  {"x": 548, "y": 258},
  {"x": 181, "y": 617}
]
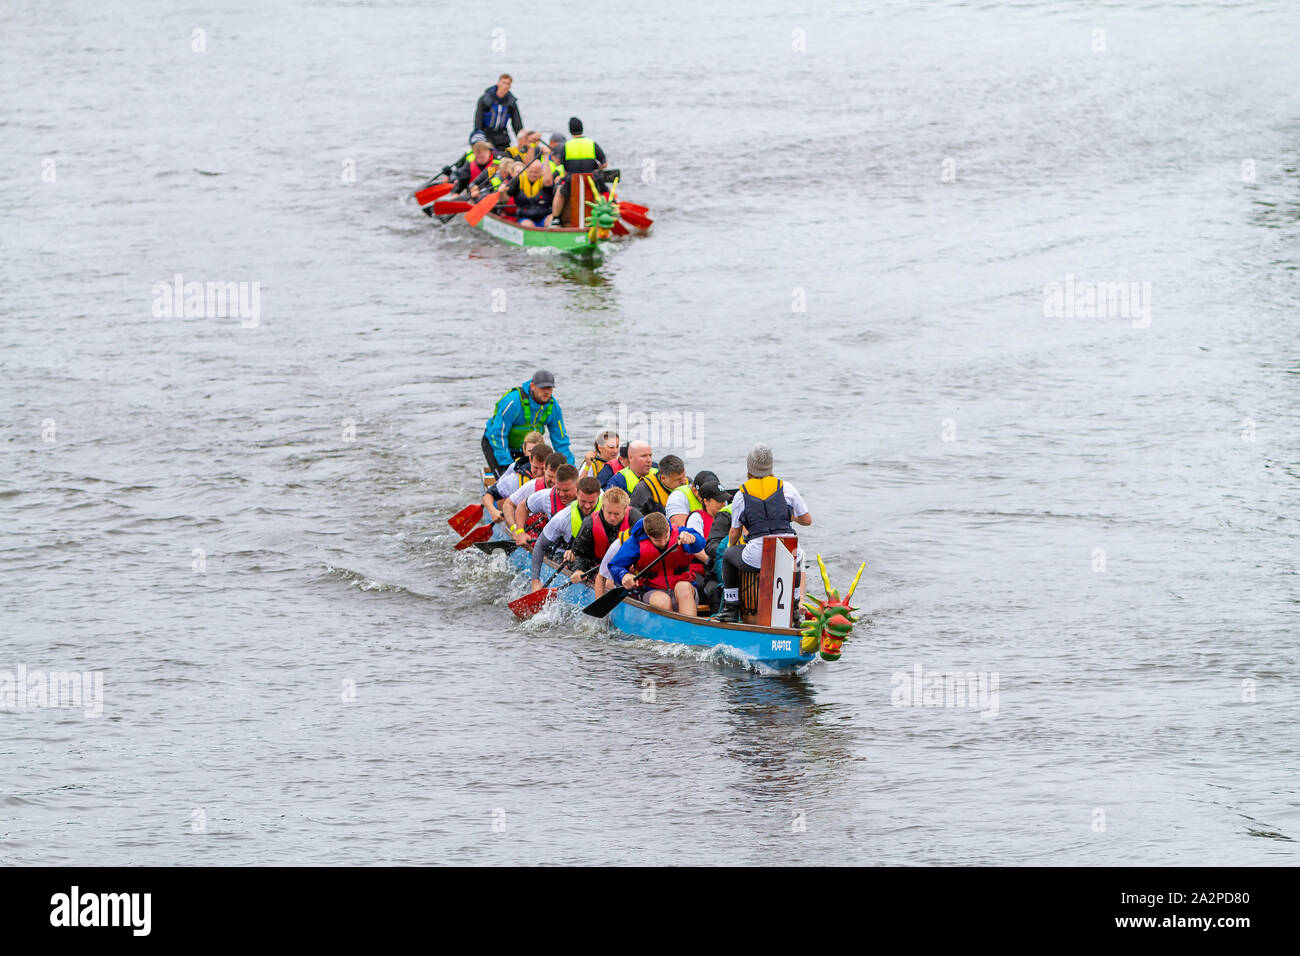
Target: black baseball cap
[
  {"x": 703, "y": 478},
  {"x": 711, "y": 490}
]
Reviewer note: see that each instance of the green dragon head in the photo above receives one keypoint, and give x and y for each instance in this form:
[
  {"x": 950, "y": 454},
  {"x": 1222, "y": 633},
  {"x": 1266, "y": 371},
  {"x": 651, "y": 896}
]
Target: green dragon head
[{"x": 828, "y": 623}]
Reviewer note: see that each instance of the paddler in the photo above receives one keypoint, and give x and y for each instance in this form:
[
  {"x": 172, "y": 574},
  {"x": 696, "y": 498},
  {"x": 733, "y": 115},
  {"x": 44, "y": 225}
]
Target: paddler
[
  {"x": 613, "y": 466},
  {"x": 670, "y": 585},
  {"x": 494, "y": 109},
  {"x": 482, "y": 159},
  {"x": 596, "y": 541},
  {"x": 581, "y": 155},
  {"x": 640, "y": 462},
  {"x": 653, "y": 490},
  {"x": 517, "y": 474},
  {"x": 686, "y": 498},
  {"x": 528, "y": 146},
  {"x": 526, "y": 407},
  {"x": 564, "y": 526},
  {"x": 703, "y": 520},
  {"x": 538, "y": 508},
  {"x": 532, "y": 195},
  {"x": 511, "y": 505},
  {"x": 764, "y": 505},
  {"x": 605, "y": 451}
]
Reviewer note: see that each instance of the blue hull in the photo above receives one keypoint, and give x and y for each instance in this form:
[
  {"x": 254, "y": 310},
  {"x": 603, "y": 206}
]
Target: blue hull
[{"x": 773, "y": 647}]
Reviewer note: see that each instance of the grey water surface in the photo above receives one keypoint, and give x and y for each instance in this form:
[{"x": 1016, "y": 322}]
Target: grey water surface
[{"x": 860, "y": 212}]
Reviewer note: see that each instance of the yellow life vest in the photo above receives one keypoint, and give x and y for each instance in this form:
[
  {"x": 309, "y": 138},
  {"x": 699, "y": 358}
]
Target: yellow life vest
[
  {"x": 631, "y": 477},
  {"x": 530, "y": 188},
  {"x": 658, "y": 493}
]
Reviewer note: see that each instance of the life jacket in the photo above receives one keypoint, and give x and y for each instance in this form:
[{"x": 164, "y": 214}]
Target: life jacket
[
  {"x": 658, "y": 493},
  {"x": 600, "y": 537},
  {"x": 705, "y": 518},
  {"x": 766, "y": 510},
  {"x": 631, "y": 479},
  {"x": 668, "y": 572},
  {"x": 576, "y": 518},
  {"x": 691, "y": 499},
  {"x": 475, "y": 170},
  {"x": 724, "y": 543},
  {"x": 580, "y": 155},
  {"x": 515, "y": 438},
  {"x": 497, "y": 112},
  {"x": 530, "y": 188},
  {"x": 537, "y": 521}
]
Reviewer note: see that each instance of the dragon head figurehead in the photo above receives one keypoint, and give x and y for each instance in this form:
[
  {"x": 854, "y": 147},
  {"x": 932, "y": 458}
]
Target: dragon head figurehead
[
  {"x": 604, "y": 213},
  {"x": 827, "y": 623}
]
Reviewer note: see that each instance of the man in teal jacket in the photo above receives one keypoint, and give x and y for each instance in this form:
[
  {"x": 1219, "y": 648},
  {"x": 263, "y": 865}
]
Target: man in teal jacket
[{"x": 525, "y": 408}]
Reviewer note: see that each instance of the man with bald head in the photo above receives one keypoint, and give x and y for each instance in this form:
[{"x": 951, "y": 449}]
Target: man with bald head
[{"x": 640, "y": 462}]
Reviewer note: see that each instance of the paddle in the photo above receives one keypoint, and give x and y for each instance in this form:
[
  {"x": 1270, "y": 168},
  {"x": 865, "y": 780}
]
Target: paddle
[
  {"x": 611, "y": 599},
  {"x": 466, "y": 518},
  {"x": 477, "y": 536},
  {"x": 620, "y": 229},
  {"x": 426, "y": 196},
  {"x": 635, "y": 207},
  {"x": 449, "y": 207},
  {"x": 484, "y": 205},
  {"x": 491, "y": 547},
  {"x": 532, "y": 602},
  {"x": 538, "y": 598},
  {"x": 635, "y": 218}
]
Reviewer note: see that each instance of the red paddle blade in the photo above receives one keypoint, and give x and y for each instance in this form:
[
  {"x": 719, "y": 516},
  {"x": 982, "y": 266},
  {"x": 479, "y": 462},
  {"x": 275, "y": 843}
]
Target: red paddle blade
[
  {"x": 620, "y": 229},
  {"x": 474, "y": 537},
  {"x": 449, "y": 207},
  {"x": 635, "y": 218},
  {"x": 481, "y": 208},
  {"x": 466, "y": 518},
  {"x": 426, "y": 196},
  {"x": 528, "y": 605},
  {"x": 635, "y": 207}
]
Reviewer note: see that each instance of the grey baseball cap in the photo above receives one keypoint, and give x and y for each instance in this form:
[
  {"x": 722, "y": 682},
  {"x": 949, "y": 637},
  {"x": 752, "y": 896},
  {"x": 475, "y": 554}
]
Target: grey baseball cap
[{"x": 544, "y": 379}]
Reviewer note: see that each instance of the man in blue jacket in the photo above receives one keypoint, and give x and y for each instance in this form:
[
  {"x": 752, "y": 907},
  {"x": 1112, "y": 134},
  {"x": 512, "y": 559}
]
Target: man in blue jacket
[
  {"x": 525, "y": 408},
  {"x": 494, "y": 108},
  {"x": 669, "y": 583}
]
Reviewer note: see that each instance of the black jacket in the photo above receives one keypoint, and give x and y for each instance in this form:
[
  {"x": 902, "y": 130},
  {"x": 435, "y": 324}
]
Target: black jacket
[
  {"x": 584, "y": 544},
  {"x": 492, "y": 112}
]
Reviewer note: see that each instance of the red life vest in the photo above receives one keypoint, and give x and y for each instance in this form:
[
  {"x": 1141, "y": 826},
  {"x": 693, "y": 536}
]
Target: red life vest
[
  {"x": 700, "y": 558},
  {"x": 537, "y": 520},
  {"x": 706, "y": 518},
  {"x": 599, "y": 535},
  {"x": 676, "y": 567}
]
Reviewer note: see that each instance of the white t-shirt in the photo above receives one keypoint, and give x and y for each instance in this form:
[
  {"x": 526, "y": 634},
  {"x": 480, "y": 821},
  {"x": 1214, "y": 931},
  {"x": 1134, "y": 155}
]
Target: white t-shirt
[
  {"x": 677, "y": 504},
  {"x": 560, "y": 527},
  {"x": 526, "y": 489},
  {"x": 753, "y": 553},
  {"x": 508, "y": 484}
]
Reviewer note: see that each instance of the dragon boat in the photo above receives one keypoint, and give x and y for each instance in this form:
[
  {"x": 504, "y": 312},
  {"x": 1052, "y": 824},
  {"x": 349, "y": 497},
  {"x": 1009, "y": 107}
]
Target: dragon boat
[
  {"x": 591, "y": 217},
  {"x": 826, "y": 623}
]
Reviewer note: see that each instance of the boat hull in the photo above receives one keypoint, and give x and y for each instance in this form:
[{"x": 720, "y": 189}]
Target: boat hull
[
  {"x": 573, "y": 241},
  {"x": 772, "y": 647}
]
